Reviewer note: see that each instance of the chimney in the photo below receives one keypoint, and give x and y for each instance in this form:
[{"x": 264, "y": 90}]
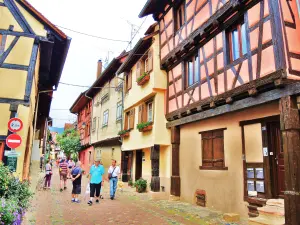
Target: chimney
[{"x": 99, "y": 68}]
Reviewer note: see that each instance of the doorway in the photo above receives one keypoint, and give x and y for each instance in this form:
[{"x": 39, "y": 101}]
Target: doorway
[
  {"x": 126, "y": 165},
  {"x": 138, "y": 164},
  {"x": 276, "y": 157}
]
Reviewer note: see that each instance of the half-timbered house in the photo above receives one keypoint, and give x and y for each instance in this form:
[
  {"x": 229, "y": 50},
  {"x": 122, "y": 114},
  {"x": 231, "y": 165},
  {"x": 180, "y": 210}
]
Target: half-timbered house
[
  {"x": 232, "y": 69},
  {"x": 32, "y": 57},
  {"x": 146, "y": 140}
]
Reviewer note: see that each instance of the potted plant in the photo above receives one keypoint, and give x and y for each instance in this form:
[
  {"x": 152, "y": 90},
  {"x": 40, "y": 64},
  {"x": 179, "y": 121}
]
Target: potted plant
[
  {"x": 130, "y": 183},
  {"x": 144, "y": 78},
  {"x": 124, "y": 133},
  {"x": 141, "y": 185},
  {"x": 144, "y": 126}
]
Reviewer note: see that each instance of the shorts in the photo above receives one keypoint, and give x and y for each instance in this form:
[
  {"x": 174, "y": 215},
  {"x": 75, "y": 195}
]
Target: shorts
[
  {"x": 95, "y": 189},
  {"x": 76, "y": 189},
  {"x": 63, "y": 176}
]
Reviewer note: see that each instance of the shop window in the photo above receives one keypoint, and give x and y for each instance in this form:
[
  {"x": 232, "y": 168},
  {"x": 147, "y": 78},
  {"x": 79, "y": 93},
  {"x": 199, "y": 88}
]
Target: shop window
[
  {"x": 179, "y": 16},
  {"x": 192, "y": 67},
  {"x": 236, "y": 42},
  {"x": 213, "y": 150}
]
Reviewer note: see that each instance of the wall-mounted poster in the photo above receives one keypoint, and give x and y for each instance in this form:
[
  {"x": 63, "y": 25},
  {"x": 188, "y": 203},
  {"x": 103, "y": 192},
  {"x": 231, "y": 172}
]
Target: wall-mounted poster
[
  {"x": 250, "y": 172},
  {"x": 250, "y": 185},
  {"x": 260, "y": 186},
  {"x": 12, "y": 163},
  {"x": 259, "y": 172}
]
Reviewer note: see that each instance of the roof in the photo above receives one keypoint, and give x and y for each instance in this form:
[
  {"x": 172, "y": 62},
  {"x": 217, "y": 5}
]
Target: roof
[
  {"x": 136, "y": 53},
  {"x": 153, "y": 7},
  {"x": 58, "y": 130},
  {"x": 107, "y": 74},
  {"x": 151, "y": 29},
  {"x": 53, "y": 52},
  {"x": 79, "y": 103}
]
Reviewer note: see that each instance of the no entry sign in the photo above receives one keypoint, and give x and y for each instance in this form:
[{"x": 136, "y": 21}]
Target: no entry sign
[
  {"x": 15, "y": 124},
  {"x": 13, "y": 141}
]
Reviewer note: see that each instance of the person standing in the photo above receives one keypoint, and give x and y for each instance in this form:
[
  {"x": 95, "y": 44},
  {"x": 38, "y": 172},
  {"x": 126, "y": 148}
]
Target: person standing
[
  {"x": 71, "y": 165},
  {"x": 48, "y": 169},
  {"x": 41, "y": 162},
  {"x": 76, "y": 174},
  {"x": 63, "y": 171},
  {"x": 113, "y": 176},
  {"x": 96, "y": 177}
]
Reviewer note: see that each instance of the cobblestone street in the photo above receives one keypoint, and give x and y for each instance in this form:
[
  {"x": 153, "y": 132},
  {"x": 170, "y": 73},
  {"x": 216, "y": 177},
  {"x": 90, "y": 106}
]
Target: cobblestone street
[{"x": 53, "y": 207}]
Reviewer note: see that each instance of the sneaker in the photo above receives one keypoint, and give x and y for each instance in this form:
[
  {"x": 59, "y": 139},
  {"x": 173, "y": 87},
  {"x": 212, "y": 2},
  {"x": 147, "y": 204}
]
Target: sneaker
[
  {"x": 73, "y": 200},
  {"x": 101, "y": 196},
  {"x": 111, "y": 198},
  {"x": 90, "y": 203},
  {"x": 65, "y": 188},
  {"x": 97, "y": 201},
  {"x": 77, "y": 201},
  {"x": 61, "y": 190}
]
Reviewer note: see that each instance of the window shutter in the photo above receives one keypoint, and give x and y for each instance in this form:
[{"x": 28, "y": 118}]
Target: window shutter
[
  {"x": 140, "y": 114},
  {"x": 138, "y": 69},
  {"x": 207, "y": 149},
  {"x": 129, "y": 80},
  {"x": 218, "y": 146},
  {"x": 144, "y": 113},
  {"x": 126, "y": 122},
  {"x": 150, "y": 60},
  {"x": 131, "y": 120}
]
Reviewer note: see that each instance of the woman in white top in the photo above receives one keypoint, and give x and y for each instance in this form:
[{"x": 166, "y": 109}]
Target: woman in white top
[
  {"x": 48, "y": 169},
  {"x": 113, "y": 176}
]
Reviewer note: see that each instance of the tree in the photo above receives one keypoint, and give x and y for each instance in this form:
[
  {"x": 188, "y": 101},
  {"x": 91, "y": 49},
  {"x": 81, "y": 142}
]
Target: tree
[{"x": 69, "y": 142}]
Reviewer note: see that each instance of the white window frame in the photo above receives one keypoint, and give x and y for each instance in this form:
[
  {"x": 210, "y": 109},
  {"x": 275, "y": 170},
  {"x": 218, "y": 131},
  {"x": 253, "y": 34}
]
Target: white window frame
[
  {"x": 105, "y": 118},
  {"x": 119, "y": 111},
  {"x": 150, "y": 119}
]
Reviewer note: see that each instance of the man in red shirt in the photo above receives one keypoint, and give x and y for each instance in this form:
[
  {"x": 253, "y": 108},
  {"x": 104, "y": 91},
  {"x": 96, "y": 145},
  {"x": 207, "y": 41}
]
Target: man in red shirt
[{"x": 63, "y": 172}]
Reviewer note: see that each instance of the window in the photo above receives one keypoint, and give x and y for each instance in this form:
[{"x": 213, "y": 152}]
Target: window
[
  {"x": 146, "y": 112},
  {"x": 94, "y": 124},
  {"x": 179, "y": 16},
  {"x": 192, "y": 68},
  {"x": 128, "y": 81},
  {"x": 145, "y": 65},
  {"x": 236, "y": 42},
  {"x": 150, "y": 111},
  {"x": 298, "y": 6},
  {"x": 213, "y": 149},
  {"x": 105, "y": 118},
  {"x": 119, "y": 111},
  {"x": 129, "y": 119}
]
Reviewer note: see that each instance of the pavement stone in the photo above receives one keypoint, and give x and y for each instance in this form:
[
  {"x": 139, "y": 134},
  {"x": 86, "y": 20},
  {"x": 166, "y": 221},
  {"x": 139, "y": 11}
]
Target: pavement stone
[{"x": 51, "y": 207}]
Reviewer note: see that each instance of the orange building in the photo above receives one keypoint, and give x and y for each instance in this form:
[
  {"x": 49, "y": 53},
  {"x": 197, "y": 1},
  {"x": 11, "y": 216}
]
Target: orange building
[{"x": 233, "y": 69}]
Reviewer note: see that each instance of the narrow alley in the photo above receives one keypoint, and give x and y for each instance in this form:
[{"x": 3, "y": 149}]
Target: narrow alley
[{"x": 50, "y": 207}]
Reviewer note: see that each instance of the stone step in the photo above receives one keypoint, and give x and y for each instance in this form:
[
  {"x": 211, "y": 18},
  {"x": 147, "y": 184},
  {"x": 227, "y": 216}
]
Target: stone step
[
  {"x": 265, "y": 221},
  {"x": 276, "y": 202},
  {"x": 271, "y": 211}
]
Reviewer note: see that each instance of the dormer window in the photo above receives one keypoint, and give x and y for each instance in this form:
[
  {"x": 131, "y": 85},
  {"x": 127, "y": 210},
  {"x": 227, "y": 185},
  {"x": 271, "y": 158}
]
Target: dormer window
[{"x": 179, "y": 16}]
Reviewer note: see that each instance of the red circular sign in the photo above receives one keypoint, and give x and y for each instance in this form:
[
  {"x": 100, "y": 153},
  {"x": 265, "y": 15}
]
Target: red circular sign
[
  {"x": 13, "y": 141},
  {"x": 15, "y": 124}
]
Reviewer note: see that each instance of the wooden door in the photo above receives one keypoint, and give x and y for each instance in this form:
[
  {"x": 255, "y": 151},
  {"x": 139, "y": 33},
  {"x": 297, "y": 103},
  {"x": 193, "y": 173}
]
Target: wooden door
[
  {"x": 277, "y": 159},
  {"x": 138, "y": 164},
  {"x": 126, "y": 164}
]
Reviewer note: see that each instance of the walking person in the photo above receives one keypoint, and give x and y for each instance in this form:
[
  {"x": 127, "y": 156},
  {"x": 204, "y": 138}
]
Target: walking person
[
  {"x": 76, "y": 174},
  {"x": 96, "y": 177},
  {"x": 113, "y": 176},
  {"x": 63, "y": 172},
  {"x": 48, "y": 175},
  {"x": 71, "y": 165}
]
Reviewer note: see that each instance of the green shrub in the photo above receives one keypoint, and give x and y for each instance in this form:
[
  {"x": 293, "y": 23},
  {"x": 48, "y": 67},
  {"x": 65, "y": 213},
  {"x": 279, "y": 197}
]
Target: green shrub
[
  {"x": 8, "y": 211},
  {"x": 142, "y": 125},
  {"x": 141, "y": 185},
  {"x": 5, "y": 176},
  {"x": 123, "y": 132},
  {"x": 141, "y": 77},
  {"x": 130, "y": 183}
]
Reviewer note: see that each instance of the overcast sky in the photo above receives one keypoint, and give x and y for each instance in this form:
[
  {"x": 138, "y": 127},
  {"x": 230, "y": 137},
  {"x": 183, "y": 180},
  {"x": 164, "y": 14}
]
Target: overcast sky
[{"x": 104, "y": 18}]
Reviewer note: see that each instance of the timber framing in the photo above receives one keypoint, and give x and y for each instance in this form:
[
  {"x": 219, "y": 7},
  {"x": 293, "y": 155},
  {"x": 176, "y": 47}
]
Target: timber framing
[
  {"x": 266, "y": 97},
  {"x": 222, "y": 18}
]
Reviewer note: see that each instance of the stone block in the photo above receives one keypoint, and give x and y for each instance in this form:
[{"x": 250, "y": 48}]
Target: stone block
[{"x": 231, "y": 217}]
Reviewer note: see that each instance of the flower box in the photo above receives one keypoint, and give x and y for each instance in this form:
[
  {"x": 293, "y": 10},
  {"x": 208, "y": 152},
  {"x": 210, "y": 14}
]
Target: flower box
[
  {"x": 145, "y": 129},
  {"x": 124, "y": 133},
  {"x": 143, "y": 79}
]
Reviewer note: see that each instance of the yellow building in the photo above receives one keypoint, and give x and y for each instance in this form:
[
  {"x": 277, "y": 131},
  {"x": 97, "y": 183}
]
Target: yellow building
[
  {"x": 107, "y": 113},
  {"x": 32, "y": 56},
  {"x": 146, "y": 144}
]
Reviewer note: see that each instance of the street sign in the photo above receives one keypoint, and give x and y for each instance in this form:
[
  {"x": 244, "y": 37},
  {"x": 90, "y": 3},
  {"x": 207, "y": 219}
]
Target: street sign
[
  {"x": 13, "y": 141},
  {"x": 12, "y": 153},
  {"x": 12, "y": 163},
  {"x": 15, "y": 124}
]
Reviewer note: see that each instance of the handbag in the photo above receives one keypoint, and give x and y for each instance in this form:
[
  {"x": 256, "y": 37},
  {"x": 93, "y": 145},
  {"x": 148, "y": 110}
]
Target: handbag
[{"x": 110, "y": 174}]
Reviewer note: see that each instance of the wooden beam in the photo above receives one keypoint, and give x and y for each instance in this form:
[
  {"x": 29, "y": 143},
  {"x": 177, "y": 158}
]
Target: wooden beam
[
  {"x": 249, "y": 102},
  {"x": 175, "y": 178},
  {"x": 14, "y": 66},
  {"x": 252, "y": 92},
  {"x": 290, "y": 126}
]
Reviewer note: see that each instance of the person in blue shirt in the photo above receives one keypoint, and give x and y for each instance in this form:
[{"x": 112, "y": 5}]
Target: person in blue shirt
[{"x": 96, "y": 177}]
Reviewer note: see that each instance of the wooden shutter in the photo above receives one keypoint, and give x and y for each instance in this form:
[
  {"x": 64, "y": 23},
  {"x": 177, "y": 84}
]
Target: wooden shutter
[
  {"x": 144, "y": 113},
  {"x": 140, "y": 113},
  {"x": 218, "y": 148},
  {"x": 129, "y": 80},
  {"x": 138, "y": 69},
  {"x": 131, "y": 119},
  {"x": 150, "y": 60},
  {"x": 207, "y": 149},
  {"x": 126, "y": 121}
]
